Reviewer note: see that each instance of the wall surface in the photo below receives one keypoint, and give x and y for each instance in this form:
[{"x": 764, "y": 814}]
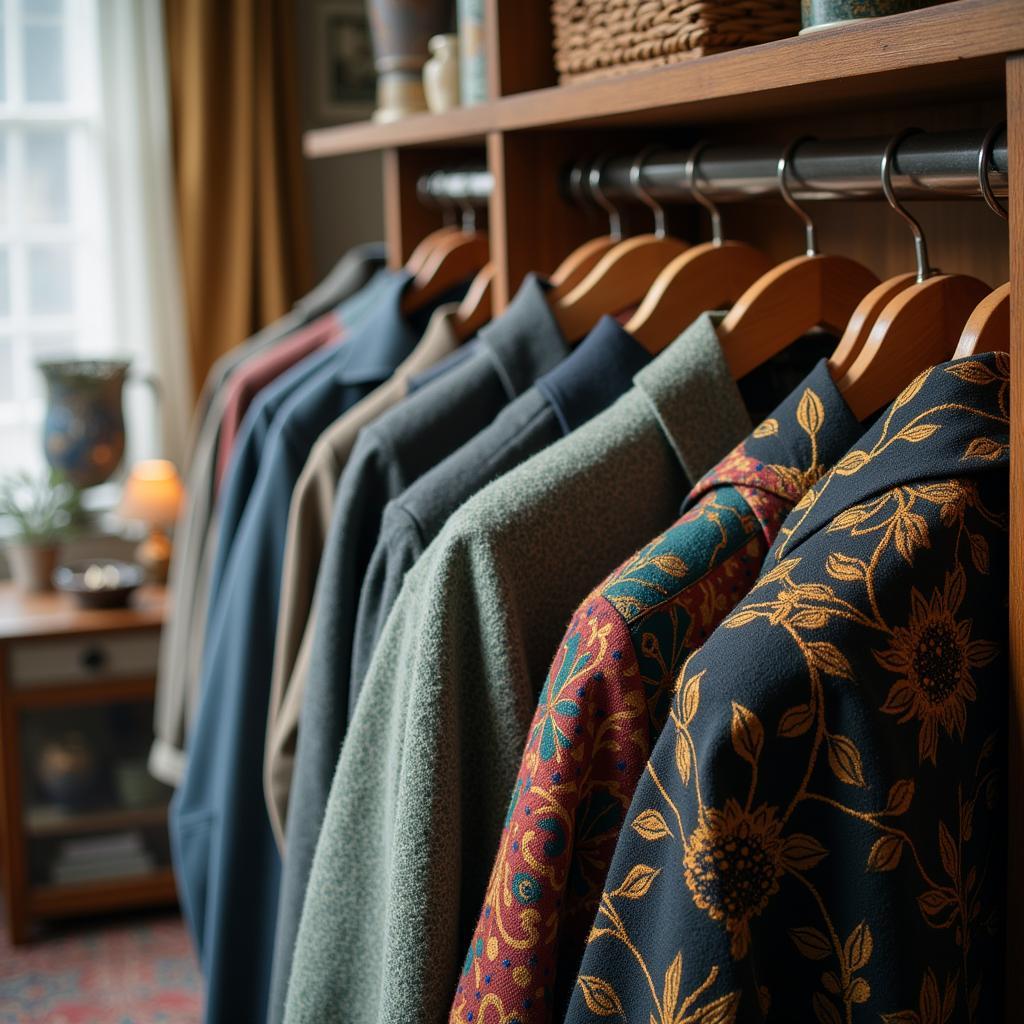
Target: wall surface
[{"x": 345, "y": 202}]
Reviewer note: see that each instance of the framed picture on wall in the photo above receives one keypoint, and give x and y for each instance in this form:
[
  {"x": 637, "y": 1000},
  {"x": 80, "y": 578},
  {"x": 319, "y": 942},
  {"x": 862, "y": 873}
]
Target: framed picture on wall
[{"x": 347, "y": 81}]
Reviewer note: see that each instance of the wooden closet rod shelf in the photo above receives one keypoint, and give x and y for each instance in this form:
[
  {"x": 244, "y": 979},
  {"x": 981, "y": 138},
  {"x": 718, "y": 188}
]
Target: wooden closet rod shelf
[{"x": 909, "y": 53}]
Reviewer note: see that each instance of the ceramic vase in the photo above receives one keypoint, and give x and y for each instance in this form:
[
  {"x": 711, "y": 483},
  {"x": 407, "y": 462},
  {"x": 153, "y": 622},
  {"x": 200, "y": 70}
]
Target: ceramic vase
[
  {"x": 400, "y": 30},
  {"x": 83, "y": 432},
  {"x": 441, "y": 73}
]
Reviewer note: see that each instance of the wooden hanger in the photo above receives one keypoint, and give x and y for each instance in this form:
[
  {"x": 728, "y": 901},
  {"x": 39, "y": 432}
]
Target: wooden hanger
[
  {"x": 452, "y": 260},
  {"x": 624, "y": 275},
  {"x": 475, "y": 310},
  {"x": 862, "y": 320},
  {"x": 988, "y": 328},
  {"x": 712, "y": 275},
  {"x": 917, "y": 329},
  {"x": 420, "y": 255},
  {"x": 575, "y": 267},
  {"x": 808, "y": 291}
]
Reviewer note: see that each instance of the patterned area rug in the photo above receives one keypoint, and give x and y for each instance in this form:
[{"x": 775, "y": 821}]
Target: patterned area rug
[{"x": 134, "y": 970}]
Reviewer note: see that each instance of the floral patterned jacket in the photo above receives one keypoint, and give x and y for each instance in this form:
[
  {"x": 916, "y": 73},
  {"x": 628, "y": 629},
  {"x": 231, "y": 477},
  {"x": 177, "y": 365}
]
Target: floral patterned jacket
[
  {"x": 819, "y": 833},
  {"x": 606, "y": 699}
]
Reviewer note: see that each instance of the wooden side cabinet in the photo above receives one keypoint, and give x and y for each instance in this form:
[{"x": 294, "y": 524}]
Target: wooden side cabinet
[{"x": 84, "y": 824}]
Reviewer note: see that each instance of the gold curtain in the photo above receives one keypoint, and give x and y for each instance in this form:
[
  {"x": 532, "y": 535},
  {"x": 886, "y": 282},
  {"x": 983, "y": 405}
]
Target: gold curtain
[{"x": 239, "y": 178}]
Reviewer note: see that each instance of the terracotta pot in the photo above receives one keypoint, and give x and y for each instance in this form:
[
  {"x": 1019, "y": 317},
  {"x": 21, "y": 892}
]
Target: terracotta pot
[
  {"x": 401, "y": 29},
  {"x": 31, "y": 565}
]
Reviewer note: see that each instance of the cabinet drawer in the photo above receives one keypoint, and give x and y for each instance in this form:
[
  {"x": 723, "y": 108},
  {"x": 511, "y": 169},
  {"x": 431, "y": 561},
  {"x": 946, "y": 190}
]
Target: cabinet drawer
[{"x": 83, "y": 659}]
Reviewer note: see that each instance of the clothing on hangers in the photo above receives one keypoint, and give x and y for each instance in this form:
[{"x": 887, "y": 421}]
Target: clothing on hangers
[
  {"x": 390, "y": 454},
  {"x": 225, "y": 858},
  {"x": 820, "y": 830},
  {"x": 432, "y": 751},
  {"x": 309, "y": 520},
  {"x": 606, "y": 698},
  {"x": 181, "y": 640},
  {"x": 596, "y": 372}
]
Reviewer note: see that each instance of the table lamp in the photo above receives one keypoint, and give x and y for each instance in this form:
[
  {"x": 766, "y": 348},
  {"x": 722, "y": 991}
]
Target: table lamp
[{"x": 152, "y": 495}]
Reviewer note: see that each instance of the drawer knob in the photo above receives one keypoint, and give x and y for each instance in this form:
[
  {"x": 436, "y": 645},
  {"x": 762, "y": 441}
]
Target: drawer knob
[{"x": 93, "y": 659}]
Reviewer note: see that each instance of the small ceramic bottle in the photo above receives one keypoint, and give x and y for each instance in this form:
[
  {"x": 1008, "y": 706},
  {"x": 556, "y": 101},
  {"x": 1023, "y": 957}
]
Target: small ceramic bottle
[{"x": 441, "y": 73}]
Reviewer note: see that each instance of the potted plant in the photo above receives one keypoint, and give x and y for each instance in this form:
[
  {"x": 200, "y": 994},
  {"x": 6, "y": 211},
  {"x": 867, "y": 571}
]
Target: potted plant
[{"x": 42, "y": 510}]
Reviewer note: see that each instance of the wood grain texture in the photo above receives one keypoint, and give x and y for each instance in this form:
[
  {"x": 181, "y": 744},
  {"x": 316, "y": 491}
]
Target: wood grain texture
[
  {"x": 1015, "y": 877},
  {"x": 949, "y": 51},
  {"x": 155, "y": 889},
  {"x": 53, "y": 614},
  {"x": 519, "y": 53},
  {"x": 14, "y": 867},
  {"x": 533, "y": 227},
  {"x": 118, "y": 691}
]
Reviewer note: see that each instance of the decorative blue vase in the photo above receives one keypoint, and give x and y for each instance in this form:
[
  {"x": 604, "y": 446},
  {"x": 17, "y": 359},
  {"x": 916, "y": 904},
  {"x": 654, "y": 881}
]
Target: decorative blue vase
[{"x": 83, "y": 433}]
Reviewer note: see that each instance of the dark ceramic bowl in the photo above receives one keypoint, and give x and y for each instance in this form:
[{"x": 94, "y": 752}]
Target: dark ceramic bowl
[{"x": 99, "y": 582}]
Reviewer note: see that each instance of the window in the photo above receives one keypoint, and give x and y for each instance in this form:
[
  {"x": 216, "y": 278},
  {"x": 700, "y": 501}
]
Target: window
[{"x": 55, "y": 253}]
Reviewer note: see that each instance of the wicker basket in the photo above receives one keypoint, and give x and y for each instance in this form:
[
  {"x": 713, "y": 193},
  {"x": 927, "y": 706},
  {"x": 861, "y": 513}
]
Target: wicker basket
[{"x": 596, "y": 38}]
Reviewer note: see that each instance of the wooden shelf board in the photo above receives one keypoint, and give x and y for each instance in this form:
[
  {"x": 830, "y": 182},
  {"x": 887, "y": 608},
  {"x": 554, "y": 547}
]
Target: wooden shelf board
[
  {"x": 153, "y": 889},
  {"x": 952, "y": 50},
  {"x": 45, "y": 823},
  {"x": 27, "y": 616}
]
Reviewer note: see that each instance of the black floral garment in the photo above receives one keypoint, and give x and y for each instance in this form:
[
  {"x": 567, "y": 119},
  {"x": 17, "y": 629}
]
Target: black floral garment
[{"x": 819, "y": 833}]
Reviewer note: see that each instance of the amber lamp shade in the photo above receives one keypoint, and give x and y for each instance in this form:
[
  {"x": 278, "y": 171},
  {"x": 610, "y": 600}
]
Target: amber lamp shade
[{"x": 153, "y": 494}]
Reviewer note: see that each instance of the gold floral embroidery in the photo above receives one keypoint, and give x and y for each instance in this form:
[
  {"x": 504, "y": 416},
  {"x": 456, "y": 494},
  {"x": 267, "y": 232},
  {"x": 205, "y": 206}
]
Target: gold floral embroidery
[
  {"x": 736, "y": 856},
  {"x": 733, "y": 865},
  {"x": 934, "y": 655}
]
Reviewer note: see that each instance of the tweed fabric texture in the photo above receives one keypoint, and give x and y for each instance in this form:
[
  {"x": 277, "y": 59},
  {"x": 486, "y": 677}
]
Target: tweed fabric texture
[
  {"x": 599, "y": 370},
  {"x": 432, "y": 752},
  {"x": 605, "y": 701},
  {"x": 820, "y": 832},
  {"x": 309, "y": 520},
  {"x": 391, "y": 453}
]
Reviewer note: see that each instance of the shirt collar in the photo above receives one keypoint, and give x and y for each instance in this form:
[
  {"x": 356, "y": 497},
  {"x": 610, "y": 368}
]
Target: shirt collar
[
  {"x": 386, "y": 336},
  {"x": 439, "y": 340},
  {"x": 792, "y": 449},
  {"x": 596, "y": 372},
  {"x": 525, "y": 342},
  {"x": 696, "y": 402},
  {"x": 951, "y": 422}
]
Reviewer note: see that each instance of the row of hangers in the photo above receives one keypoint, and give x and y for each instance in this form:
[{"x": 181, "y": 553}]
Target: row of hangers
[{"x": 889, "y": 330}]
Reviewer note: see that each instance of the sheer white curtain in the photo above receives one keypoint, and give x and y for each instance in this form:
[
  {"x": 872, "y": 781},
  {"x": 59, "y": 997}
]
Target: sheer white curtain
[{"x": 148, "y": 305}]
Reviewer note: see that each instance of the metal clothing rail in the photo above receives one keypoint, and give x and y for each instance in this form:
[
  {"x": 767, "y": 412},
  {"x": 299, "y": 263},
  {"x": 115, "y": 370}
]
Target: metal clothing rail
[{"x": 927, "y": 165}]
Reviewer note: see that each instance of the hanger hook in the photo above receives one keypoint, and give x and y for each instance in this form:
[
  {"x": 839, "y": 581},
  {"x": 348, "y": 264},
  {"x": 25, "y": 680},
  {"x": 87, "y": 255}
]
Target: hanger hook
[
  {"x": 600, "y": 197},
  {"x": 464, "y": 203},
  {"x": 435, "y": 190},
  {"x": 984, "y": 159},
  {"x": 636, "y": 170},
  {"x": 698, "y": 193},
  {"x": 924, "y": 268},
  {"x": 577, "y": 190},
  {"x": 782, "y": 171}
]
